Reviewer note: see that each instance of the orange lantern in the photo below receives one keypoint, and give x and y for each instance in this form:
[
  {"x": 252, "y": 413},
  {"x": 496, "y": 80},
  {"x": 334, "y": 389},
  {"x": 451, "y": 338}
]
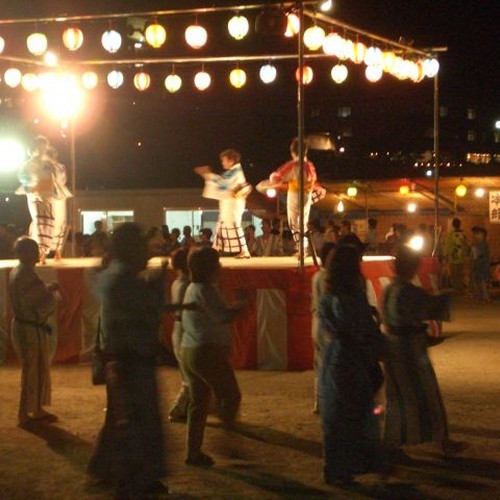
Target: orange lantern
[
  {"x": 292, "y": 25},
  {"x": 72, "y": 38},
  {"x": 307, "y": 75},
  {"x": 142, "y": 81}
]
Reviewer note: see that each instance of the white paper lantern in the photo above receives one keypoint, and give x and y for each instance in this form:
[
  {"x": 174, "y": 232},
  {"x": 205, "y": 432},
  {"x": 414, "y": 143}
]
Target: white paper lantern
[
  {"x": 267, "y": 73},
  {"x": 37, "y": 43},
  {"x": 238, "y": 78},
  {"x": 2, "y": 44},
  {"x": 111, "y": 41},
  {"x": 29, "y": 82},
  {"x": 115, "y": 79},
  {"x": 202, "y": 80},
  {"x": 358, "y": 53},
  {"x": 313, "y": 37},
  {"x": 90, "y": 80},
  {"x": 374, "y": 56},
  {"x": 292, "y": 25},
  {"x": 339, "y": 73},
  {"x": 196, "y": 36},
  {"x": 431, "y": 67},
  {"x": 173, "y": 83},
  {"x": 238, "y": 27},
  {"x": 373, "y": 73},
  {"x": 12, "y": 77}
]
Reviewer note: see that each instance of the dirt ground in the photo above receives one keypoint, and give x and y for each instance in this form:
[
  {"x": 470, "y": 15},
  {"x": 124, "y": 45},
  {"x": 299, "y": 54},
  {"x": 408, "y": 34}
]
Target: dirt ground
[{"x": 278, "y": 453}]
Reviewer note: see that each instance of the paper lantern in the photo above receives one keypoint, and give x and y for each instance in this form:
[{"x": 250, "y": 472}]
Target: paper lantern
[
  {"x": 292, "y": 25},
  {"x": 374, "y": 56},
  {"x": 267, "y": 73},
  {"x": 202, "y": 80},
  {"x": 479, "y": 192},
  {"x": 111, "y": 41},
  {"x": 238, "y": 78},
  {"x": 72, "y": 38},
  {"x": 2, "y": 44},
  {"x": 373, "y": 73},
  {"x": 461, "y": 190},
  {"x": 389, "y": 60},
  {"x": 313, "y": 37},
  {"x": 340, "y": 206},
  {"x": 238, "y": 27},
  {"x": 352, "y": 191},
  {"x": 417, "y": 73},
  {"x": 358, "y": 53},
  {"x": 339, "y": 73},
  {"x": 12, "y": 77},
  {"x": 142, "y": 81},
  {"x": 37, "y": 43},
  {"x": 307, "y": 75},
  {"x": 29, "y": 82},
  {"x": 90, "y": 80},
  {"x": 431, "y": 67},
  {"x": 115, "y": 79},
  {"x": 412, "y": 208},
  {"x": 173, "y": 83},
  {"x": 196, "y": 36},
  {"x": 155, "y": 35}
]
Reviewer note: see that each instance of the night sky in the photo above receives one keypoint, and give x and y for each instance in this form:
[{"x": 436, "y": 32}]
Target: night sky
[{"x": 153, "y": 139}]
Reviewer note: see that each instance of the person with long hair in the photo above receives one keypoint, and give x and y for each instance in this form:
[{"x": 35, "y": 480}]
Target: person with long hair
[{"x": 350, "y": 373}]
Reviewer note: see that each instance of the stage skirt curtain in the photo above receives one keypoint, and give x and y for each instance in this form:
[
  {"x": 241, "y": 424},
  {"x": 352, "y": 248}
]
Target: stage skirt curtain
[{"x": 272, "y": 333}]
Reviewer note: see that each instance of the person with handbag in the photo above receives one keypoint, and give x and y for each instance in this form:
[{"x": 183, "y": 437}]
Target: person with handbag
[
  {"x": 350, "y": 373},
  {"x": 32, "y": 303},
  {"x": 129, "y": 450}
]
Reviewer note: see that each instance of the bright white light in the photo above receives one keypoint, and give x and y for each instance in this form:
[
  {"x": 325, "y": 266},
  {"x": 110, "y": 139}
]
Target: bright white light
[
  {"x": 63, "y": 99},
  {"x": 416, "y": 242},
  {"x": 325, "y": 5},
  {"x": 340, "y": 206},
  {"x": 428, "y": 173},
  {"x": 50, "y": 59},
  {"x": 412, "y": 208},
  {"x": 479, "y": 192},
  {"x": 267, "y": 73},
  {"x": 271, "y": 193},
  {"x": 497, "y": 124},
  {"x": 12, "y": 155}
]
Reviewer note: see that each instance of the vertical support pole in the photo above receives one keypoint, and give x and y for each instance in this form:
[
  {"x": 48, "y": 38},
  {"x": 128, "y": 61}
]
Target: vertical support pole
[
  {"x": 74, "y": 208},
  {"x": 300, "y": 134},
  {"x": 436, "y": 164}
]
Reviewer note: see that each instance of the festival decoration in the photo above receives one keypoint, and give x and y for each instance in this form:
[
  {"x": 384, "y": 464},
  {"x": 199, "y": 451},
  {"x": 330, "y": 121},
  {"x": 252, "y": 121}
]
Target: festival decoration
[
  {"x": 90, "y": 80},
  {"x": 196, "y": 36},
  {"x": 202, "y": 80},
  {"x": 339, "y": 73},
  {"x": 389, "y": 60},
  {"x": 12, "y": 77},
  {"x": 461, "y": 190},
  {"x": 111, "y": 41},
  {"x": 238, "y": 27},
  {"x": 2, "y": 44},
  {"x": 479, "y": 192},
  {"x": 358, "y": 53},
  {"x": 313, "y": 37},
  {"x": 72, "y": 38},
  {"x": 373, "y": 73},
  {"x": 173, "y": 82},
  {"x": 374, "y": 57},
  {"x": 37, "y": 43},
  {"x": 155, "y": 35},
  {"x": 352, "y": 191},
  {"x": 267, "y": 73},
  {"x": 29, "y": 82},
  {"x": 431, "y": 67},
  {"x": 292, "y": 25},
  {"x": 238, "y": 78},
  {"x": 115, "y": 79},
  {"x": 307, "y": 75},
  {"x": 142, "y": 81}
]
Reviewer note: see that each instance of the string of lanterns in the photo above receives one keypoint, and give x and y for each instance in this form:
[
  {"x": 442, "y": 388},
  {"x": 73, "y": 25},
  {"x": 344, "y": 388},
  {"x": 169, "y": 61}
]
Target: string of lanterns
[{"x": 377, "y": 61}]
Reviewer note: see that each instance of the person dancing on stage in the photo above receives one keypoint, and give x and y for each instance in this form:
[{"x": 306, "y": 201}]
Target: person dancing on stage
[
  {"x": 43, "y": 181},
  {"x": 231, "y": 189},
  {"x": 289, "y": 173}
]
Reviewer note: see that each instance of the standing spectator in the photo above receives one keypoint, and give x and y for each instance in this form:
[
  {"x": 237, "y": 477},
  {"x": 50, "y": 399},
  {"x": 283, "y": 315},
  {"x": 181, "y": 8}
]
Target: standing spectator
[
  {"x": 250, "y": 239},
  {"x": 349, "y": 238},
  {"x": 315, "y": 235},
  {"x": 187, "y": 240},
  {"x": 205, "y": 237},
  {"x": 319, "y": 337},
  {"x": 178, "y": 412},
  {"x": 371, "y": 238},
  {"x": 99, "y": 240},
  {"x": 455, "y": 252},
  {"x": 480, "y": 272},
  {"x": 174, "y": 243},
  {"x": 129, "y": 448},
  {"x": 268, "y": 243},
  {"x": 32, "y": 304},
  {"x": 415, "y": 412},
  {"x": 350, "y": 373},
  {"x": 205, "y": 349},
  {"x": 331, "y": 232}
]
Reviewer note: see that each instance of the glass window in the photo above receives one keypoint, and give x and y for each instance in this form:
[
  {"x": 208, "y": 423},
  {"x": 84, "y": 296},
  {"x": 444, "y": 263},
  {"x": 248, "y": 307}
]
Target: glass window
[
  {"x": 471, "y": 135},
  {"x": 471, "y": 113},
  {"x": 110, "y": 219}
]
